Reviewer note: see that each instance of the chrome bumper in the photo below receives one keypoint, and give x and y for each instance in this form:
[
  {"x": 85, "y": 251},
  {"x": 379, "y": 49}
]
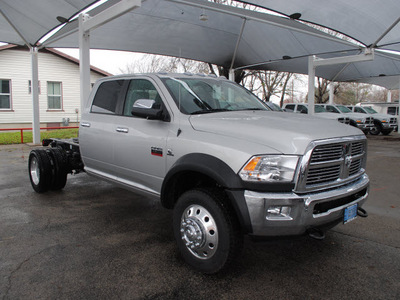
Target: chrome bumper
[{"x": 301, "y": 211}]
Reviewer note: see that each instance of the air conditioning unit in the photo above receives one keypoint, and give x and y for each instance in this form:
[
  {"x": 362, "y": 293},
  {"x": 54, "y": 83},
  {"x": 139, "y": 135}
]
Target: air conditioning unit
[{"x": 65, "y": 121}]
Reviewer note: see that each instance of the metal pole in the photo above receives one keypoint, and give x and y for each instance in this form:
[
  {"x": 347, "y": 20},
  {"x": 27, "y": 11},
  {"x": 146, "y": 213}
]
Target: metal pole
[
  {"x": 311, "y": 85},
  {"x": 35, "y": 96},
  {"x": 331, "y": 94},
  {"x": 84, "y": 61},
  {"x": 389, "y": 96}
]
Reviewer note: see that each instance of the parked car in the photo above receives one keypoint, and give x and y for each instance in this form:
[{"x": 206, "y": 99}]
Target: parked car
[
  {"x": 321, "y": 112},
  {"x": 361, "y": 121},
  {"x": 382, "y": 122}
]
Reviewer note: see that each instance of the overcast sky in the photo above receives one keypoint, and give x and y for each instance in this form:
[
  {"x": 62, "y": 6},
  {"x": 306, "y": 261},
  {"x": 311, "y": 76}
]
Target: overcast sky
[{"x": 107, "y": 60}]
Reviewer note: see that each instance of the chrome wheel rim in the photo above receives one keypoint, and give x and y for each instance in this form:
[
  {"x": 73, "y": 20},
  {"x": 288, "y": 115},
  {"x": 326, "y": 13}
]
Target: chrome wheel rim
[
  {"x": 199, "y": 231},
  {"x": 35, "y": 171}
]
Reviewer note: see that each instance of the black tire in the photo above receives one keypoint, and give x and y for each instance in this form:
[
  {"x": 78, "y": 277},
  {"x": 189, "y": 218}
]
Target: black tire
[
  {"x": 376, "y": 129},
  {"x": 386, "y": 131},
  {"x": 60, "y": 168},
  {"x": 40, "y": 170},
  {"x": 206, "y": 230}
]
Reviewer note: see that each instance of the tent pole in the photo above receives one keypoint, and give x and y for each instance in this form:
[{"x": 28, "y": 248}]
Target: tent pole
[
  {"x": 35, "y": 96},
  {"x": 331, "y": 94},
  {"x": 311, "y": 85},
  {"x": 84, "y": 61}
]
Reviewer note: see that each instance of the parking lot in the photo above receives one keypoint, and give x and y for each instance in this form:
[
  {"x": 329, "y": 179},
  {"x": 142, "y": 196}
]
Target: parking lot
[{"x": 96, "y": 241}]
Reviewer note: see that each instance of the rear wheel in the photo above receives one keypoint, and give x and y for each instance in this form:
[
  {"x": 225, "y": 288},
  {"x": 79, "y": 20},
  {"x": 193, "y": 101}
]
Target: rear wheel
[
  {"x": 386, "y": 131},
  {"x": 206, "y": 230},
  {"x": 376, "y": 129},
  {"x": 60, "y": 168},
  {"x": 40, "y": 170}
]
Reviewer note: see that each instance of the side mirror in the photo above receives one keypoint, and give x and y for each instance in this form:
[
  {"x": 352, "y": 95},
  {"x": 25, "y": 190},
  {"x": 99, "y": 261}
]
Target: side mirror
[{"x": 143, "y": 108}]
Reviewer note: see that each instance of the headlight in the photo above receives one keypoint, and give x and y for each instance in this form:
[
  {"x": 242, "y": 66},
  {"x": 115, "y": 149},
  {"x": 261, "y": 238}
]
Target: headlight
[
  {"x": 384, "y": 121},
  {"x": 360, "y": 120},
  {"x": 270, "y": 168}
]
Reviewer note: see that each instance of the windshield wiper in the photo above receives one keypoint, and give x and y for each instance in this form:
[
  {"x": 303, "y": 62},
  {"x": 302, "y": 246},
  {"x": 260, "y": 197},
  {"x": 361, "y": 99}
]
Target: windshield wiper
[
  {"x": 253, "y": 108},
  {"x": 198, "y": 112}
]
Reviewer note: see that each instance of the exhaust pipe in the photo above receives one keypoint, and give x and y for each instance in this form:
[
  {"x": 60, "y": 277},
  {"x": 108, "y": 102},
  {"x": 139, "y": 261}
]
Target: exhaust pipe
[
  {"x": 362, "y": 212},
  {"x": 316, "y": 233}
]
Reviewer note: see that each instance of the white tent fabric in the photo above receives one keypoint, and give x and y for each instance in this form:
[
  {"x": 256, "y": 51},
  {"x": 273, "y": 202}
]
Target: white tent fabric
[
  {"x": 170, "y": 28},
  {"x": 362, "y": 20},
  {"x": 33, "y": 19}
]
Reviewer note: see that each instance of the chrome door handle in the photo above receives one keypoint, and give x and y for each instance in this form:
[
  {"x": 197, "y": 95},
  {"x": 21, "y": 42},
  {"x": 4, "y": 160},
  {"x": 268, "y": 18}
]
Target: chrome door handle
[
  {"x": 85, "y": 124},
  {"x": 123, "y": 130}
]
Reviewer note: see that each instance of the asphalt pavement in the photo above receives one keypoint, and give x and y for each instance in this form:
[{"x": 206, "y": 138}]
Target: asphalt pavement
[{"x": 93, "y": 240}]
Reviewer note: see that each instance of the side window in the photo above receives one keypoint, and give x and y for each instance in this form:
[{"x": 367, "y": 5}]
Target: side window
[
  {"x": 359, "y": 110},
  {"x": 302, "y": 109},
  {"x": 105, "y": 101},
  {"x": 290, "y": 107},
  {"x": 331, "y": 109},
  {"x": 392, "y": 110},
  {"x": 5, "y": 94},
  {"x": 140, "y": 89}
]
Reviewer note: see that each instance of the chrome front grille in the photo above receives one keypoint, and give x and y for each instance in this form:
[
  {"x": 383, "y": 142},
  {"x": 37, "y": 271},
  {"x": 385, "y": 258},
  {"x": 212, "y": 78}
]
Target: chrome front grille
[
  {"x": 344, "y": 120},
  {"x": 369, "y": 121},
  {"x": 393, "y": 121},
  {"x": 332, "y": 163}
]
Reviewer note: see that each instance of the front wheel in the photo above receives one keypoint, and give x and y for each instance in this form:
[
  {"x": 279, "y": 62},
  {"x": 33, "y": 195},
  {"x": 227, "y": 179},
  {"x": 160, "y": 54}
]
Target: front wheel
[
  {"x": 376, "y": 129},
  {"x": 206, "y": 230}
]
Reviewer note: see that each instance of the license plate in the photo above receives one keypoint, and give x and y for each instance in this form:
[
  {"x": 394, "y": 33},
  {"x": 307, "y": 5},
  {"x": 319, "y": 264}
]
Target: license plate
[{"x": 350, "y": 213}]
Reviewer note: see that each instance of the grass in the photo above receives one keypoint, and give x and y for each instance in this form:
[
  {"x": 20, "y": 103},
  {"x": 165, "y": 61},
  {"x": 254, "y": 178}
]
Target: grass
[{"x": 14, "y": 137}]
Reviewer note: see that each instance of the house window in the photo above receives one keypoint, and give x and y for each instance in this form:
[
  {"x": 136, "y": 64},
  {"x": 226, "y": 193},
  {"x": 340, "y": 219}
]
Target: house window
[
  {"x": 54, "y": 97},
  {"x": 5, "y": 94}
]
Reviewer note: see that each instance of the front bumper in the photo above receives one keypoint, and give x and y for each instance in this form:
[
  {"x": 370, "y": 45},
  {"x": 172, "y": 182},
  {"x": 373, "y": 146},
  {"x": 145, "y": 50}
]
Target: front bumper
[{"x": 311, "y": 210}]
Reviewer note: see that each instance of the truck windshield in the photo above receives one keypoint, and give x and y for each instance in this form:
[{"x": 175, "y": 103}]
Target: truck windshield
[
  {"x": 208, "y": 95},
  {"x": 370, "y": 110},
  {"x": 343, "y": 109}
]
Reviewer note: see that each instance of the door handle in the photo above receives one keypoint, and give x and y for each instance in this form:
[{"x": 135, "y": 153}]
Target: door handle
[
  {"x": 85, "y": 124},
  {"x": 123, "y": 130}
]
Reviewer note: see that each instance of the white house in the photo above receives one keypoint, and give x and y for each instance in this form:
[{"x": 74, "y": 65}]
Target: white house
[{"x": 59, "y": 85}]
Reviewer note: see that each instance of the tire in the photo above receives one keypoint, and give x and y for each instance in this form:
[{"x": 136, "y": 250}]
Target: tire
[
  {"x": 40, "y": 170},
  {"x": 206, "y": 230},
  {"x": 60, "y": 168},
  {"x": 386, "y": 131},
  {"x": 376, "y": 129}
]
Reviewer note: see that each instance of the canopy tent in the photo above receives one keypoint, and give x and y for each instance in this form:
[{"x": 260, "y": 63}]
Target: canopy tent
[
  {"x": 364, "y": 21},
  {"x": 26, "y": 22}
]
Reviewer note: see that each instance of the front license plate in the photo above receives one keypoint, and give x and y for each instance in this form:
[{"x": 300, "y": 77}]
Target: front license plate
[{"x": 350, "y": 213}]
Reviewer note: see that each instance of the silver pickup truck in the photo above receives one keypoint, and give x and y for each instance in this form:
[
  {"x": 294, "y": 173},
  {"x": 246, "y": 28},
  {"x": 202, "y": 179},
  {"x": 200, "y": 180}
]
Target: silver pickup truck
[{"x": 215, "y": 154}]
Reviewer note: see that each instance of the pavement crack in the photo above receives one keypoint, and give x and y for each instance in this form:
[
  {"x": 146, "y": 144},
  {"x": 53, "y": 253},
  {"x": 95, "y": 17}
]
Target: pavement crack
[{"x": 9, "y": 279}]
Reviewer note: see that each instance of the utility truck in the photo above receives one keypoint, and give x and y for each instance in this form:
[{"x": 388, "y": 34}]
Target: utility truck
[{"x": 214, "y": 153}]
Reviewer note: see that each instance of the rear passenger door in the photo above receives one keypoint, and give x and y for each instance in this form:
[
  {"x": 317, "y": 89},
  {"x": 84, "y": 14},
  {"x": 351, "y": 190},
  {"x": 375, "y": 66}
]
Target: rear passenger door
[
  {"x": 140, "y": 154},
  {"x": 97, "y": 130}
]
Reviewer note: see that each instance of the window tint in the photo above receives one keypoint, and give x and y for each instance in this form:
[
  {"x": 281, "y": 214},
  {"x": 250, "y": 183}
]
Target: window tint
[
  {"x": 302, "y": 109},
  {"x": 54, "y": 95},
  {"x": 359, "y": 110},
  {"x": 393, "y": 110},
  {"x": 105, "y": 101},
  {"x": 289, "y": 107},
  {"x": 5, "y": 94},
  {"x": 140, "y": 89}
]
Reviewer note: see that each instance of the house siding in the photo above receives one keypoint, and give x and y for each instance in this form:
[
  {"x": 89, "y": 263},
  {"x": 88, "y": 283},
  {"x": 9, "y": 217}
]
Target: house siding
[{"x": 16, "y": 66}]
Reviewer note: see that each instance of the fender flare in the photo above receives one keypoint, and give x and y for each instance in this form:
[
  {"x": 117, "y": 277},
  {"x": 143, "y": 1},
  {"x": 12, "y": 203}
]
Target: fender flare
[{"x": 218, "y": 171}]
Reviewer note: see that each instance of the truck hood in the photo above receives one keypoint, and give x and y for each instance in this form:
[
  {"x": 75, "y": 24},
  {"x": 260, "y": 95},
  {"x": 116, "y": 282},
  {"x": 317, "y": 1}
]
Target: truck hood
[
  {"x": 285, "y": 133},
  {"x": 328, "y": 115},
  {"x": 354, "y": 115},
  {"x": 382, "y": 116}
]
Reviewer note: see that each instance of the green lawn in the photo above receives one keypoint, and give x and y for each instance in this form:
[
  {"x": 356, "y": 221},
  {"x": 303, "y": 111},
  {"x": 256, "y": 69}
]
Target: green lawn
[{"x": 15, "y": 137}]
